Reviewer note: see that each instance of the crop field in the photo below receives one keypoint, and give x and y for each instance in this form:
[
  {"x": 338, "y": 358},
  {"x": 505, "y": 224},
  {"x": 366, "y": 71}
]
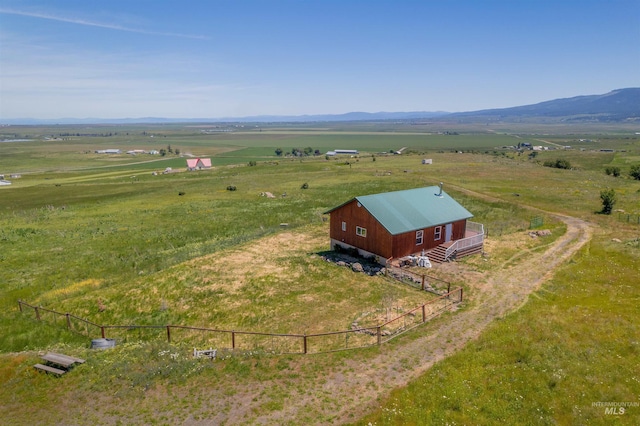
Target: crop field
[{"x": 113, "y": 239}]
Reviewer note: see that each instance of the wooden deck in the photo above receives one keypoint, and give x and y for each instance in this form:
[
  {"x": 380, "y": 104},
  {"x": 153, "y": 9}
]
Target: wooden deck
[{"x": 438, "y": 254}]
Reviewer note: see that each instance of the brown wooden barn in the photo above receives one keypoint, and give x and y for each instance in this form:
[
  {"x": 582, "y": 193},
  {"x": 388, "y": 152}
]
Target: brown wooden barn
[{"x": 396, "y": 224}]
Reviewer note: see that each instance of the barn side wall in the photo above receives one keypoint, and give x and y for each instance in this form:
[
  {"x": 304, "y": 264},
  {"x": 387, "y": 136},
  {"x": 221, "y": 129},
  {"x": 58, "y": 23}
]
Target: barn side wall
[{"x": 378, "y": 240}]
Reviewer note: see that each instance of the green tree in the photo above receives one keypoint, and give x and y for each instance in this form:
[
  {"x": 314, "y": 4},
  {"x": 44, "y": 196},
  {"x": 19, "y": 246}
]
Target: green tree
[
  {"x": 278, "y": 152},
  {"x": 635, "y": 171},
  {"x": 608, "y": 197}
]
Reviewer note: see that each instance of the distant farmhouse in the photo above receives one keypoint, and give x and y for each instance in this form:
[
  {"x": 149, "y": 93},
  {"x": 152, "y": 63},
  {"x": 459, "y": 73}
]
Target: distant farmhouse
[
  {"x": 396, "y": 224},
  {"x": 342, "y": 152},
  {"x": 198, "y": 163}
]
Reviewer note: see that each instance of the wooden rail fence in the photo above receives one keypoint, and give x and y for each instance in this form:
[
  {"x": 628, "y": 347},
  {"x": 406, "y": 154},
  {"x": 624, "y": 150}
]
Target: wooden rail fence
[
  {"x": 629, "y": 217},
  {"x": 251, "y": 340}
]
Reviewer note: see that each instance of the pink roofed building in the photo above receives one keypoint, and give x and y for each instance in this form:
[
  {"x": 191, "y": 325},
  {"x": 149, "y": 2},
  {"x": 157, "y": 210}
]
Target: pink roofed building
[{"x": 198, "y": 163}]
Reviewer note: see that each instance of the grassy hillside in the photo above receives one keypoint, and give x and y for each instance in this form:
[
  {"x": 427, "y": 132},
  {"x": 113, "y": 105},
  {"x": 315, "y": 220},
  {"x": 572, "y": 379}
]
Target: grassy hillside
[
  {"x": 105, "y": 239},
  {"x": 574, "y": 344}
]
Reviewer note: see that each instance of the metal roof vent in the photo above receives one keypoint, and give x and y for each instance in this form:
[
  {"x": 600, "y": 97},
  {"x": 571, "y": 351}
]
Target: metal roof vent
[{"x": 439, "y": 194}]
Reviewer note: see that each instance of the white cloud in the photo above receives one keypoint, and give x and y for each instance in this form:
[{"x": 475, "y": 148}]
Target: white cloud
[{"x": 110, "y": 26}]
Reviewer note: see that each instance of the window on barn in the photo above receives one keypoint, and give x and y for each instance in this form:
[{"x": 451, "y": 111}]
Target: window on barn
[
  {"x": 437, "y": 233},
  {"x": 419, "y": 235},
  {"x": 361, "y": 231},
  {"x": 344, "y": 226}
]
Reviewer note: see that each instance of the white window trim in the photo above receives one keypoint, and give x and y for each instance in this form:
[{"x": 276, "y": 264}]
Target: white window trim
[
  {"x": 344, "y": 226},
  {"x": 419, "y": 237},
  {"x": 437, "y": 233},
  {"x": 361, "y": 232}
]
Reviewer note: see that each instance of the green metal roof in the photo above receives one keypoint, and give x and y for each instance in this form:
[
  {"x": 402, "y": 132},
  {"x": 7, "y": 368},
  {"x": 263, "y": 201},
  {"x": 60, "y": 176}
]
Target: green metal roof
[{"x": 412, "y": 209}]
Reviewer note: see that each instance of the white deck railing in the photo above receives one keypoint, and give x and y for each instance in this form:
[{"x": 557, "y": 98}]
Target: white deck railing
[{"x": 464, "y": 243}]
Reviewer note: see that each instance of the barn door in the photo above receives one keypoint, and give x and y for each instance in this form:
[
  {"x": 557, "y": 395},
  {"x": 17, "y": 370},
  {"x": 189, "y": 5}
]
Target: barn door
[{"x": 448, "y": 232}]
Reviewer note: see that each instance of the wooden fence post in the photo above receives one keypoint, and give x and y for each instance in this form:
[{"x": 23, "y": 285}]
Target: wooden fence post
[
  {"x": 422, "y": 282},
  {"x": 68, "y": 320},
  {"x": 304, "y": 343},
  {"x": 102, "y": 331},
  {"x": 461, "y": 291},
  {"x": 379, "y": 336},
  {"x": 233, "y": 339},
  {"x": 37, "y": 313},
  {"x": 20, "y": 305},
  {"x": 424, "y": 316},
  {"x": 168, "y": 334}
]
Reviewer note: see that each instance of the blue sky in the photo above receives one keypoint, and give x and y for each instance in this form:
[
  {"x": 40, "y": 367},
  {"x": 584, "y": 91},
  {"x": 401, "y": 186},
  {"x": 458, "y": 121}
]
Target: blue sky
[{"x": 149, "y": 58}]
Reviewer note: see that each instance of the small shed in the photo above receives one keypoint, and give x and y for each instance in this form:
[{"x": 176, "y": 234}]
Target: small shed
[{"x": 427, "y": 161}]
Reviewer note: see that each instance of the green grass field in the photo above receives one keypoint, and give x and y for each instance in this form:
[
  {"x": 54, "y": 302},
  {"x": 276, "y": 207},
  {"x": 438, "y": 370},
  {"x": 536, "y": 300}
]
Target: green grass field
[{"x": 103, "y": 238}]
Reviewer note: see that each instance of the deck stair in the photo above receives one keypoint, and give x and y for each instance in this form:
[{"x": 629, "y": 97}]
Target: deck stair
[
  {"x": 438, "y": 254},
  {"x": 472, "y": 243}
]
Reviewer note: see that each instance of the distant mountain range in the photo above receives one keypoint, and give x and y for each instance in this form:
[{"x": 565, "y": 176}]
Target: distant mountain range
[
  {"x": 617, "y": 105},
  {"x": 350, "y": 116},
  {"x": 620, "y": 105}
]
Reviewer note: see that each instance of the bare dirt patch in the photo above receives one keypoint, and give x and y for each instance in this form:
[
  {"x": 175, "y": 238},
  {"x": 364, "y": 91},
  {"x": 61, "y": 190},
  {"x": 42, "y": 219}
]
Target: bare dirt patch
[{"x": 259, "y": 259}]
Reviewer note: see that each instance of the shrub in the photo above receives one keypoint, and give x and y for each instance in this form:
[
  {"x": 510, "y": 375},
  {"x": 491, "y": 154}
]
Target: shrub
[
  {"x": 560, "y": 163},
  {"x": 608, "y": 197},
  {"x": 304, "y": 186},
  {"x": 615, "y": 171},
  {"x": 635, "y": 171},
  {"x": 231, "y": 188}
]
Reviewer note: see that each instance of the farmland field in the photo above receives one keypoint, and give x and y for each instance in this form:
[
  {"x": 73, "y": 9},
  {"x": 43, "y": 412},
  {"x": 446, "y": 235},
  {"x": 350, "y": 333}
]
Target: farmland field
[{"x": 111, "y": 238}]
